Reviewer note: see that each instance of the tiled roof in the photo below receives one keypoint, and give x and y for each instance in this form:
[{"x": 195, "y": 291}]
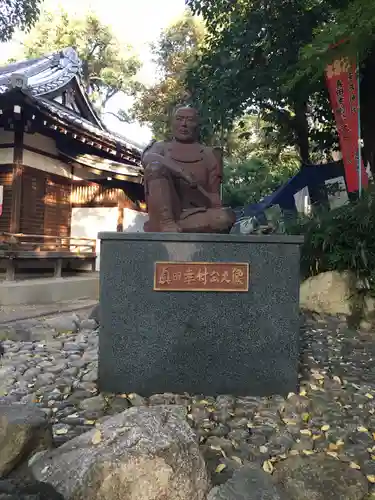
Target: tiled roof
[{"x": 48, "y": 74}]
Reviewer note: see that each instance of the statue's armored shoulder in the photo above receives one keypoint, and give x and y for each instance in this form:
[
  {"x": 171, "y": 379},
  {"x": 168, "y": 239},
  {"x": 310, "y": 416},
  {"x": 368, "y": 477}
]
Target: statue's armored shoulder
[{"x": 154, "y": 147}]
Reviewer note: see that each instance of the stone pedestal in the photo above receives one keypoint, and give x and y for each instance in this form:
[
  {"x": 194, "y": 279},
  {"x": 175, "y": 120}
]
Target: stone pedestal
[{"x": 162, "y": 330}]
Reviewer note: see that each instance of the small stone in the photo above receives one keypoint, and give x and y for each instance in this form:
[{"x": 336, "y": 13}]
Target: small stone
[
  {"x": 57, "y": 368},
  {"x": 118, "y": 405},
  {"x": 137, "y": 400},
  {"x": 91, "y": 376},
  {"x": 44, "y": 379},
  {"x": 89, "y": 324},
  {"x": 96, "y": 403},
  {"x": 63, "y": 323}
]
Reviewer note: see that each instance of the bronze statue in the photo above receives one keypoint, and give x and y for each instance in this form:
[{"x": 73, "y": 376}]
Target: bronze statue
[{"x": 182, "y": 182}]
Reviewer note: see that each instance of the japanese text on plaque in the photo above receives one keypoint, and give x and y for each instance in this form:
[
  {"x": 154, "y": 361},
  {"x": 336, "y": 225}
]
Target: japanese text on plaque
[{"x": 201, "y": 276}]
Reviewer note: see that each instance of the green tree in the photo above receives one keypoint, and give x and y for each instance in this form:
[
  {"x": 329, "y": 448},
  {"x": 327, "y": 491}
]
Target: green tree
[
  {"x": 257, "y": 163},
  {"x": 108, "y": 67},
  {"x": 173, "y": 53},
  {"x": 349, "y": 34},
  {"x": 249, "y": 56},
  {"x": 17, "y": 14}
]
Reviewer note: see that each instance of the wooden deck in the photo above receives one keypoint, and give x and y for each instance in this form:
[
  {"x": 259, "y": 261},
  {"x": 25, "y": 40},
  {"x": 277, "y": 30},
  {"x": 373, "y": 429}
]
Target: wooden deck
[{"x": 18, "y": 249}]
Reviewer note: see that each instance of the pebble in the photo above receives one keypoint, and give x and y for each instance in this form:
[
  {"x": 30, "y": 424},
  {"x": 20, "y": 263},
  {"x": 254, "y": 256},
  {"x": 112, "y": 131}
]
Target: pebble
[{"x": 334, "y": 410}]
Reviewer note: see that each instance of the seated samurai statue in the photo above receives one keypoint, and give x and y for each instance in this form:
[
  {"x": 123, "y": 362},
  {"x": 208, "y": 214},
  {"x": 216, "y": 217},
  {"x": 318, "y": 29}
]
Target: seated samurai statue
[{"x": 182, "y": 182}]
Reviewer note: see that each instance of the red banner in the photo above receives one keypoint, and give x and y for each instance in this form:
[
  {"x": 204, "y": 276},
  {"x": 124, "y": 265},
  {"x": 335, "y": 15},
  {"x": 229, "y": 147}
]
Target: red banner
[{"x": 343, "y": 90}]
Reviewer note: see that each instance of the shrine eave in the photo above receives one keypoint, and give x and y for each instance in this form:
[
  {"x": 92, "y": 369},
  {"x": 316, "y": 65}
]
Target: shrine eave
[{"x": 66, "y": 122}]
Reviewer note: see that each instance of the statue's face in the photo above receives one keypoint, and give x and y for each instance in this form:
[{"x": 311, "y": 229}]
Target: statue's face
[{"x": 185, "y": 124}]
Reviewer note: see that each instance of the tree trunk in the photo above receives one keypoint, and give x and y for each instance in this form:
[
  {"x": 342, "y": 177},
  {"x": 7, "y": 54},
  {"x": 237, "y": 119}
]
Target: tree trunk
[
  {"x": 367, "y": 104},
  {"x": 301, "y": 130},
  {"x": 318, "y": 193}
]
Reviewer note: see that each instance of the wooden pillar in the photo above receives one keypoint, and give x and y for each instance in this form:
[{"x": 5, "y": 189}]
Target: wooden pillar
[
  {"x": 120, "y": 218},
  {"x": 15, "y": 220}
]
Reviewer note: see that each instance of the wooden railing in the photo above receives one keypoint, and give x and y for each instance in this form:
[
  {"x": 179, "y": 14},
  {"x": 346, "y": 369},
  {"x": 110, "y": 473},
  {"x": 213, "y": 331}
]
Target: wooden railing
[{"x": 46, "y": 243}]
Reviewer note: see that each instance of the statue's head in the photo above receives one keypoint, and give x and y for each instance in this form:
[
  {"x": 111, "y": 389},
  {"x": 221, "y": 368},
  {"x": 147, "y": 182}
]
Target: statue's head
[{"x": 185, "y": 123}]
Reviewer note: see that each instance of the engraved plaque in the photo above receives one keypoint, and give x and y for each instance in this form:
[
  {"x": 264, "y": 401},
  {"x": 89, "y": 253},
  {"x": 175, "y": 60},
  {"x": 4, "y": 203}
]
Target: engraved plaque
[{"x": 201, "y": 277}]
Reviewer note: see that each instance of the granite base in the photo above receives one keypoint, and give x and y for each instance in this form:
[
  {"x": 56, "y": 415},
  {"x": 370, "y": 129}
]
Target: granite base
[{"x": 199, "y": 342}]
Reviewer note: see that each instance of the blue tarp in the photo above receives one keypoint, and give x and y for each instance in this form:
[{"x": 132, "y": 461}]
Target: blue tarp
[{"x": 308, "y": 176}]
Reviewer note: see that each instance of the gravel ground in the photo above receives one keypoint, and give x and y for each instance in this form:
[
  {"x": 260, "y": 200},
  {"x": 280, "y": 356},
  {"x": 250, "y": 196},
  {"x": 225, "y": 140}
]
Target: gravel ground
[{"x": 333, "y": 412}]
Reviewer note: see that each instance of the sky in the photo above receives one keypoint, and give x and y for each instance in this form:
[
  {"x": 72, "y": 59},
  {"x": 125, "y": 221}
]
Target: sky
[{"x": 134, "y": 22}]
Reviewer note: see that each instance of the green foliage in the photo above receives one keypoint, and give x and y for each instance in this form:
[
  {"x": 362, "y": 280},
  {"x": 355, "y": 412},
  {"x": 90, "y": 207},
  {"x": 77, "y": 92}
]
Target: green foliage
[
  {"x": 342, "y": 239},
  {"x": 17, "y": 14},
  {"x": 249, "y": 181},
  {"x": 173, "y": 54},
  {"x": 250, "y": 54},
  {"x": 108, "y": 66},
  {"x": 352, "y": 23}
]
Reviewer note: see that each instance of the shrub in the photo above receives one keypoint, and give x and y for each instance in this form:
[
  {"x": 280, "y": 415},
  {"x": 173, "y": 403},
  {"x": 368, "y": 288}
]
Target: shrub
[{"x": 342, "y": 239}]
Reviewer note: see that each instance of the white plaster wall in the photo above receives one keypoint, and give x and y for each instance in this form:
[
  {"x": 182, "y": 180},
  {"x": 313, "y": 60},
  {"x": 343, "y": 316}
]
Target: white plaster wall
[
  {"x": 41, "y": 142},
  {"x": 45, "y": 163},
  {"x": 87, "y": 222},
  {"x": 133, "y": 221},
  {"x": 6, "y": 155},
  {"x": 51, "y": 165}
]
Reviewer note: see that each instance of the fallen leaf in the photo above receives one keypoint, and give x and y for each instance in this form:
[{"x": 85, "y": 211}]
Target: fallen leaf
[
  {"x": 362, "y": 429},
  {"x": 371, "y": 478},
  {"x": 237, "y": 459},
  {"x": 97, "y": 437},
  {"x": 332, "y": 454},
  {"x": 325, "y": 428},
  {"x": 61, "y": 432},
  {"x": 267, "y": 466},
  {"x": 217, "y": 448},
  {"x": 307, "y": 452},
  {"x": 89, "y": 422},
  {"x": 289, "y": 421},
  {"x": 353, "y": 465},
  {"x": 302, "y": 393},
  {"x": 305, "y": 432},
  {"x": 369, "y": 396},
  {"x": 317, "y": 436},
  {"x": 294, "y": 452},
  {"x": 263, "y": 449},
  {"x": 290, "y": 395},
  {"x": 337, "y": 379},
  {"x": 220, "y": 468},
  {"x": 305, "y": 417},
  {"x": 333, "y": 447}
]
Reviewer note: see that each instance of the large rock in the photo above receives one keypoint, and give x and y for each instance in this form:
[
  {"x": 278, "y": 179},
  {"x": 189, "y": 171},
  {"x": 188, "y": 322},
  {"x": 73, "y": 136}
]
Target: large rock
[
  {"x": 144, "y": 453},
  {"x": 320, "y": 477},
  {"x": 248, "y": 483},
  {"x": 24, "y": 429},
  {"x": 333, "y": 293}
]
